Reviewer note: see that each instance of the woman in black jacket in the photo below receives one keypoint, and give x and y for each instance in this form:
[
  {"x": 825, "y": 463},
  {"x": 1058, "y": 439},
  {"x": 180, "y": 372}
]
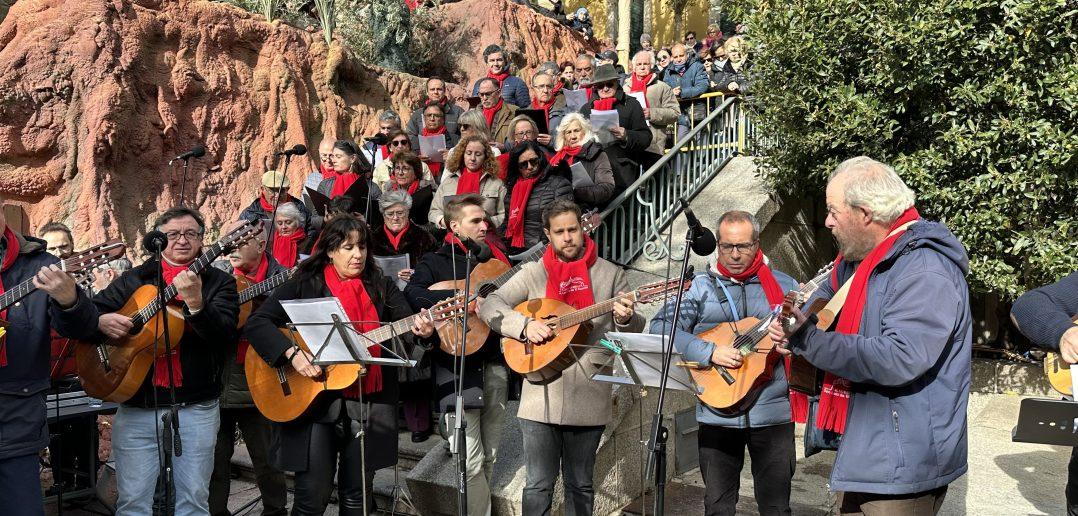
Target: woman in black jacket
[
  {"x": 404, "y": 177},
  {"x": 530, "y": 186},
  {"x": 576, "y": 144},
  {"x": 628, "y": 141},
  {"x": 313, "y": 445}
]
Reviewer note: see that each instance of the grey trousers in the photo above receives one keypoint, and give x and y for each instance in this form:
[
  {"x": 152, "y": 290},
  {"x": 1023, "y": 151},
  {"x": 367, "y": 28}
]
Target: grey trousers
[{"x": 548, "y": 448}]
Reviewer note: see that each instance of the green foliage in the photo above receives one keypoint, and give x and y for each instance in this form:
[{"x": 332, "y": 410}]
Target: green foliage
[{"x": 972, "y": 101}]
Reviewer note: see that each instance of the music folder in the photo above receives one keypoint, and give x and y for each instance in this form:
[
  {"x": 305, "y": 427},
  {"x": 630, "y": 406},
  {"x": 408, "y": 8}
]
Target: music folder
[
  {"x": 1047, "y": 421},
  {"x": 538, "y": 116}
]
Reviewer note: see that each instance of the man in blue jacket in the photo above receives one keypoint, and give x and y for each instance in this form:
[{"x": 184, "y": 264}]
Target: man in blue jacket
[
  {"x": 898, "y": 361},
  {"x": 741, "y": 285},
  {"x": 24, "y": 360},
  {"x": 513, "y": 88}
]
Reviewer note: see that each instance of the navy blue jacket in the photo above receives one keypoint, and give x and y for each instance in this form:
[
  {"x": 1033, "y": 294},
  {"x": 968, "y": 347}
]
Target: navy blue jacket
[
  {"x": 514, "y": 91},
  {"x": 704, "y": 307},
  {"x": 909, "y": 367},
  {"x": 26, "y": 377}
]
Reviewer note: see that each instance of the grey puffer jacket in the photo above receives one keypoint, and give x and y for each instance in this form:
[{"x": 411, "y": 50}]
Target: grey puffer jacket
[{"x": 909, "y": 367}]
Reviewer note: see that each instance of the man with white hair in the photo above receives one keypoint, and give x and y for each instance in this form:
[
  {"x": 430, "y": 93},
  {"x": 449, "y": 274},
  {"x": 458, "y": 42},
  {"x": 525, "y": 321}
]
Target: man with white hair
[
  {"x": 661, "y": 108},
  {"x": 898, "y": 360}
]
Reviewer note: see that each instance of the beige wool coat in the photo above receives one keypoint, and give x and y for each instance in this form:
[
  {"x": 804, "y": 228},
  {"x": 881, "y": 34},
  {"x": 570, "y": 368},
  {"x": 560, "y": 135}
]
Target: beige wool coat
[{"x": 572, "y": 398}]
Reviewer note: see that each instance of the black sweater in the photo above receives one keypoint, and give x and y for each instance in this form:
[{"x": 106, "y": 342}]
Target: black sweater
[{"x": 1044, "y": 313}]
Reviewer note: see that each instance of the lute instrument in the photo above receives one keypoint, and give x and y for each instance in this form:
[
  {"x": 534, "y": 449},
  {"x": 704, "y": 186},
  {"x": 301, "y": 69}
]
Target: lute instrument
[
  {"x": 485, "y": 279},
  {"x": 546, "y": 360},
  {"x": 248, "y": 292},
  {"x": 1058, "y": 371},
  {"x": 282, "y": 394},
  {"x": 114, "y": 369}
]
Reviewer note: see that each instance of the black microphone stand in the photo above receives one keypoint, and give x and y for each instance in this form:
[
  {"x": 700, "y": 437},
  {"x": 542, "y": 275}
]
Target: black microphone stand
[
  {"x": 170, "y": 433},
  {"x": 277, "y": 201},
  {"x": 461, "y": 437},
  {"x": 659, "y": 433},
  {"x": 183, "y": 180}
]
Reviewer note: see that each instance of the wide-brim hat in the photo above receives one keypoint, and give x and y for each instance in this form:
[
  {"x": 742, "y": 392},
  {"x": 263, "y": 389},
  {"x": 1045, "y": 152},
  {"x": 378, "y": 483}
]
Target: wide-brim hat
[
  {"x": 604, "y": 73},
  {"x": 274, "y": 179}
]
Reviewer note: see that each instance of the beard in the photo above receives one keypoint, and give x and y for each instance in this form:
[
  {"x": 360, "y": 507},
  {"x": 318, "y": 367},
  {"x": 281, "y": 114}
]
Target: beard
[{"x": 854, "y": 248}]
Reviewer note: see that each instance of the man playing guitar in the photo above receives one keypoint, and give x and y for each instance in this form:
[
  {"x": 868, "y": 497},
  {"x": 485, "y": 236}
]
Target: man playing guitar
[
  {"x": 563, "y": 419},
  {"x": 210, "y": 308},
  {"x": 485, "y": 374},
  {"x": 740, "y": 285},
  {"x": 24, "y": 359}
]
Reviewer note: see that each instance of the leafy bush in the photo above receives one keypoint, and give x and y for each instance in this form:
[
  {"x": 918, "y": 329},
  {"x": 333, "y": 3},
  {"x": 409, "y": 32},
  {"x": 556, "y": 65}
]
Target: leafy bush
[{"x": 972, "y": 101}]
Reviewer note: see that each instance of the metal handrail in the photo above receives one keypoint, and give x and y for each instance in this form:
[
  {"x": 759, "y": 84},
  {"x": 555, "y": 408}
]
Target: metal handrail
[{"x": 632, "y": 222}]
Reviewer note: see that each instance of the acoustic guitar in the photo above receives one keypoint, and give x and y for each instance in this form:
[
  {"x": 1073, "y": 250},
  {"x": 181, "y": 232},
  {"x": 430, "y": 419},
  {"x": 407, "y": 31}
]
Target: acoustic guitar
[
  {"x": 282, "y": 394},
  {"x": 731, "y": 391},
  {"x": 249, "y": 292},
  {"x": 1058, "y": 371},
  {"x": 114, "y": 369},
  {"x": 485, "y": 279},
  {"x": 546, "y": 360}
]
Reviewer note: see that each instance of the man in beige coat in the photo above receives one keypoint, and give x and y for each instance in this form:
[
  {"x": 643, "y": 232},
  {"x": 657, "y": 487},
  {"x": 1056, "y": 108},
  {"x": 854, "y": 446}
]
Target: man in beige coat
[
  {"x": 661, "y": 108},
  {"x": 563, "y": 419}
]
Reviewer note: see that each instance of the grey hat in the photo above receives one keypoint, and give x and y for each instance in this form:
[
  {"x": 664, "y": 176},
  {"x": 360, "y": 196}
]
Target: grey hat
[
  {"x": 609, "y": 55},
  {"x": 604, "y": 73}
]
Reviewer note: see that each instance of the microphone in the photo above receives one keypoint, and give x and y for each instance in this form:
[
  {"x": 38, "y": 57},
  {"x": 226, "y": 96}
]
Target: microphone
[
  {"x": 379, "y": 139},
  {"x": 480, "y": 250},
  {"x": 196, "y": 152},
  {"x": 297, "y": 150},
  {"x": 154, "y": 241},
  {"x": 702, "y": 240}
]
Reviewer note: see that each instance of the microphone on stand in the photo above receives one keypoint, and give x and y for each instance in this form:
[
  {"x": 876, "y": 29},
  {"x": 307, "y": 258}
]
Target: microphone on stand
[
  {"x": 703, "y": 240},
  {"x": 154, "y": 242},
  {"x": 297, "y": 150},
  {"x": 378, "y": 139},
  {"x": 480, "y": 250},
  {"x": 197, "y": 152}
]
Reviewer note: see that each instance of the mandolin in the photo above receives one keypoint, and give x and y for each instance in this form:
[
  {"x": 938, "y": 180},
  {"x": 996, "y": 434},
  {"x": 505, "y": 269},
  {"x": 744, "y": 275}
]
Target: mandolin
[
  {"x": 1058, "y": 371},
  {"x": 249, "y": 292},
  {"x": 805, "y": 377},
  {"x": 282, "y": 394},
  {"x": 485, "y": 279},
  {"x": 546, "y": 360},
  {"x": 731, "y": 391},
  {"x": 114, "y": 369}
]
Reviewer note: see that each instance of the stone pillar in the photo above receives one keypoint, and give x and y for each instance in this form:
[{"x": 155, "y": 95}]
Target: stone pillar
[{"x": 624, "y": 33}]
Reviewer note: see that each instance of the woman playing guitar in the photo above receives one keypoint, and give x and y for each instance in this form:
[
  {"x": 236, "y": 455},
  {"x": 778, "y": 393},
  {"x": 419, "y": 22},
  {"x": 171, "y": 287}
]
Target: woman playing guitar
[{"x": 312, "y": 445}]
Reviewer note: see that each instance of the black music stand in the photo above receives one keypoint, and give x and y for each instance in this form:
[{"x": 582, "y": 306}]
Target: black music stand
[{"x": 1047, "y": 421}]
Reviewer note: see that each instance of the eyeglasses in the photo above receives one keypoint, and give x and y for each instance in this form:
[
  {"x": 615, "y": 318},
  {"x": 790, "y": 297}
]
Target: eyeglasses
[
  {"x": 544, "y": 86},
  {"x": 529, "y": 163},
  {"x": 403, "y": 169},
  {"x": 189, "y": 235},
  {"x": 687, "y": 38},
  {"x": 524, "y": 134},
  {"x": 488, "y": 93},
  {"x": 738, "y": 248},
  {"x": 397, "y": 143},
  {"x": 396, "y": 214}
]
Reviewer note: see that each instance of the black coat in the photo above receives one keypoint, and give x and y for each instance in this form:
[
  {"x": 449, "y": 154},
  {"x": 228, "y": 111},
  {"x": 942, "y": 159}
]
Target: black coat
[
  {"x": 433, "y": 268},
  {"x": 207, "y": 335},
  {"x": 595, "y": 161},
  {"x": 235, "y": 393},
  {"x": 25, "y": 378},
  {"x": 416, "y": 242},
  {"x": 625, "y": 155},
  {"x": 549, "y": 188},
  {"x": 262, "y": 331}
]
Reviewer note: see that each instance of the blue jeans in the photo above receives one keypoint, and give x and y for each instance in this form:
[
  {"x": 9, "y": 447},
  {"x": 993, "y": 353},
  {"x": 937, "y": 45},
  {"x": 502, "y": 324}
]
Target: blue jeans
[{"x": 135, "y": 438}]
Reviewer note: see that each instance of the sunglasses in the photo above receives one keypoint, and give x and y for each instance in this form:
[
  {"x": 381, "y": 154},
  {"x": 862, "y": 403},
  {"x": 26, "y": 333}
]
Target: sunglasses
[
  {"x": 529, "y": 163},
  {"x": 465, "y": 127},
  {"x": 397, "y": 143},
  {"x": 607, "y": 84}
]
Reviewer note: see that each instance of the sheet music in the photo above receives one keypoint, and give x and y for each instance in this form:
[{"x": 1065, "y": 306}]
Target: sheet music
[
  {"x": 431, "y": 146},
  {"x": 580, "y": 175},
  {"x": 321, "y": 310},
  {"x": 575, "y": 99},
  {"x": 391, "y": 265},
  {"x": 641, "y": 360},
  {"x": 639, "y": 96},
  {"x": 601, "y": 122}
]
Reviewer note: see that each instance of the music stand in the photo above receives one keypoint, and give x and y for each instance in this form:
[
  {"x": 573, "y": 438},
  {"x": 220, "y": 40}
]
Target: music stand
[
  {"x": 639, "y": 357},
  {"x": 1046, "y": 421}
]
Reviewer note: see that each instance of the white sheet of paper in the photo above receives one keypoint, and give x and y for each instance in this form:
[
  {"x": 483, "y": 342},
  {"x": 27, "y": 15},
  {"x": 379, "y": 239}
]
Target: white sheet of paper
[
  {"x": 430, "y": 146},
  {"x": 601, "y": 122},
  {"x": 580, "y": 175},
  {"x": 1074, "y": 381},
  {"x": 644, "y": 353},
  {"x": 639, "y": 96},
  {"x": 391, "y": 265},
  {"x": 575, "y": 99},
  {"x": 321, "y": 310}
]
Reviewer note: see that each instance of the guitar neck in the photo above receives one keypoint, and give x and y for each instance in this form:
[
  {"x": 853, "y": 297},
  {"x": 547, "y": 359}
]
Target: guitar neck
[
  {"x": 10, "y": 297},
  {"x": 532, "y": 256},
  {"x": 262, "y": 287},
  {"x": 199, "y": 265},
  {"x": 586, "y": 314},
  {"x": 384, "y": 333}
]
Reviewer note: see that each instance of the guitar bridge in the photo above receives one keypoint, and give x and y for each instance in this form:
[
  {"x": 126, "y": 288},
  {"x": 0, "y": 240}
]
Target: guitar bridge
[
  {"x": 285, "y": 387},
  {"x": 528, "y": 347},
  {"x": 103, "y": 357}
]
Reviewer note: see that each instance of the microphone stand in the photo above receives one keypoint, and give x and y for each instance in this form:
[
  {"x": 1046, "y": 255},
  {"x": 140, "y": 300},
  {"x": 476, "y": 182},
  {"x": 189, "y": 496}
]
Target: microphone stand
[
  {"x": 183, "y": 181},
  {"x": 277, "y": 202},
  {"x": 461, "y": 437},
  {"x": 170, "y": 433}
]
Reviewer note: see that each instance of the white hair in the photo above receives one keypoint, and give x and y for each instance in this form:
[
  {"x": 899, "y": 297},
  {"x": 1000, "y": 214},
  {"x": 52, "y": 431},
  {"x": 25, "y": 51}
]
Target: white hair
[
  {"x": 572, "y": 118},
  {"x": 394, "y": 197},
  {"x": 644, "y": 53},
  {"x": 290, "y": 211},
  {"x": 875, "y": 186}
]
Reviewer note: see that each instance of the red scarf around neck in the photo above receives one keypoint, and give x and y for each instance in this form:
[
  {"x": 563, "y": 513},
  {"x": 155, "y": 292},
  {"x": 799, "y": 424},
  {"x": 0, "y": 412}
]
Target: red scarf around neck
[
  {"x": 570, "y": 282},
  {"x": 160, "y": 366},
  {"x": 327, "y": 172},
  {"x": 450, "y": 238},
  {"x": 258, "y": 275},
  {"x": 641, "y": 85},
  {"x": 384, "y": 150},
  {"x": 469, "y": 180},
  {"x": 411, "y": 188},
  {"x": 395, "y": 240},
  {"x": 11, "y": 253},
  {"x": 286, "y": 248},
  {"x": 342, "y": 183},
  {"x": 518, "y": 205},
  {"x": 604, "y": 104},
  {"x": 268, "y": 206},
  {"x": 358, "y": 307},
  {"x": 566, "y": 152},
  {"x": 835, "y": 396},
  {"x": 488, "y": 113},
  {"x": 545, "y": 106},
  {"x": 500, "y": 77}
]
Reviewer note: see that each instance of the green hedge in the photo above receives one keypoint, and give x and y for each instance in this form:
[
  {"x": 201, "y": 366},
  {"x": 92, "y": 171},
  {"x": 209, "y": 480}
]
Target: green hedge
[{"x": 972, "y": 101}]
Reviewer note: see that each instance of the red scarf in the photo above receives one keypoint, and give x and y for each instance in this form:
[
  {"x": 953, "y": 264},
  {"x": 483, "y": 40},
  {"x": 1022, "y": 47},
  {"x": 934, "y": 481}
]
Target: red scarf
[
  {"x": 488, "y": 113},
  {"x": 384, "y": 150},
  {"x": 411, "y": 188},
  {"x": 286, "y": 248},
  {"x": 358, "y": 307},
  {"x": 342, "y": 184},
  {"x": 570, "y": 282},
  {"x": 835, "y": 397},
  {"x": 604, "y": 104},
  {"x": 503, "y": 165},
  {"x": 565, "y": 152},
  {"x": 468, "y": 182},
  {"x": 434, "y": 166},
  {"x": 327, "y": 172},
  {"x": 518, "y": 204},
  {"x": 450, "y": 238},
  {"x": 545, "y": 107},
  {"x": 500, "y": 77},
  {"x": 160, "y": 366},
  {"x": 258, "y": 276},
  {"x": 10, "y": 255},
  {"x": 395, "y": 240},
  {"x": 641, "y": 85},
  {"x": 268, "y": 206},
  {"x": 587, "y": 92}
]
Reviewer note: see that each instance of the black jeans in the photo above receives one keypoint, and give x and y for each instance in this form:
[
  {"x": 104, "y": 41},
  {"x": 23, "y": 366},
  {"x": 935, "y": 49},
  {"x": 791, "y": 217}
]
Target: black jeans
[
  {"x": 546, "y": 447},
  {"x": 332, "y": 443},
  {"x": 256, "y": 435},
  {"x": 722, "y": 455}
]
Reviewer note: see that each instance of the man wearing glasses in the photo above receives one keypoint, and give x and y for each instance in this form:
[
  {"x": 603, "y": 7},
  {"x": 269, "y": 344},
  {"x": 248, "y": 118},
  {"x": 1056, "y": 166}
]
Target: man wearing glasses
[
  {"x": 738, "y": 284},
  {"x": 209, "y": 306},
  {"x": 450, "y": 112},
  {"x": 497, "y": 112}
]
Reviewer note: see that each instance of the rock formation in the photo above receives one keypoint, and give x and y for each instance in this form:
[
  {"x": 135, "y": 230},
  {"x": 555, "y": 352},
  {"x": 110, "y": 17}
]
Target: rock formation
[{"x": 97, "y": 95}]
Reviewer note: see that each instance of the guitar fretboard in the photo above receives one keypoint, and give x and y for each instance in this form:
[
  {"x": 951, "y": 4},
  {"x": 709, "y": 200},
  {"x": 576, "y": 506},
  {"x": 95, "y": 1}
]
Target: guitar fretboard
[
  {"x": 384, "y": 333},
  {"x": 151, "y": 309},
  {"x": 264, "y": 286},
  {"x": 13, "y": 296},
  {"x": 586, "y": 314},
  {"x": 532, "y": 256}
]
